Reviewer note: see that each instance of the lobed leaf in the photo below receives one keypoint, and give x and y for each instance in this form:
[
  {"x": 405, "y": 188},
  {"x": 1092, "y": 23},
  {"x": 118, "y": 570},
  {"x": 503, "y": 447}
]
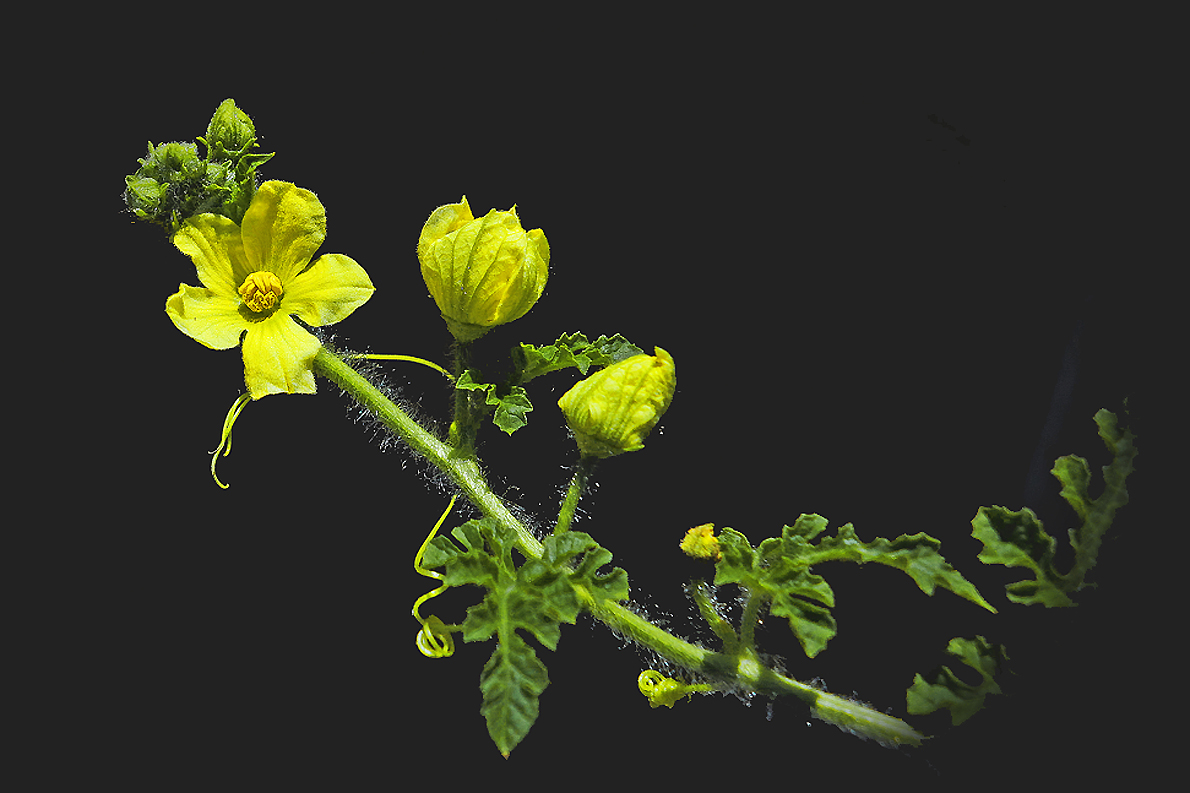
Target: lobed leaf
[
  {"x": 790, "y": 588},
  {"x": 779, "y": 570},
  {"x": 510, "y": 401},
  {"x": 585, "y": 557},
  {"x": 534, "y": 597},
  {"x": 948, "y": 691},
  {"x": 1018, "y": 539},
  {"x": 571, "y": 350},
  {"x": 916, "y": 555},
  {"x": 511, "y": 682},
  {"x": 511, "y": 404}
]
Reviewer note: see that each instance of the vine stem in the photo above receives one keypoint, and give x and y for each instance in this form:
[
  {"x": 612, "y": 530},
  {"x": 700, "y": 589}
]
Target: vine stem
[
  {"x": 578, "y": 483},
  {"x": 744, "y": 670},
  {"x": 462, "y": 468}
]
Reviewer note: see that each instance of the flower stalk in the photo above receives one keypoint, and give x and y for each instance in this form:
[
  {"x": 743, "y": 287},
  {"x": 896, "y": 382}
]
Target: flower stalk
[{"x": 578, "y": 485}]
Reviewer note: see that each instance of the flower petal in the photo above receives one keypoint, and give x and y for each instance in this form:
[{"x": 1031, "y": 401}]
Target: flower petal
[
  {"x": 214, "y": 244},
  {"x": 206, "y": 316},
  {"x": 333, "y": 287},
  {"x": 283, "y": 227},
  {"x": 279, "y": 357}
]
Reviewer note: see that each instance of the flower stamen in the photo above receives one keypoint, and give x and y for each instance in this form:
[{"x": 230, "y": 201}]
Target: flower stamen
[{"x": 261, "y": 291}]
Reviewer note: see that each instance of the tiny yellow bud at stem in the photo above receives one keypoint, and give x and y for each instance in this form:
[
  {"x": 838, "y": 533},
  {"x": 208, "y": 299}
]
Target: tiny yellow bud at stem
[{"x": 701, "y": 542}]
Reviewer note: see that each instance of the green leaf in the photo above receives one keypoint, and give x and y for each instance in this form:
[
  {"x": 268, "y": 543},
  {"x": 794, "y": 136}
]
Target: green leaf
[
  {"x": 535, "y": 597},
  {"x": 917, "y": 555},
  {"x": 511, "y": 409},
  {"x": 511, "y": 404},
  {"x": 511, "y": 682},
  {"x": 1097, "y": 514},
  {"x": 591, "y": 556},
  {"x": 571, "y": 350},
  {"x": 789, "y": 587},
  {"x": 1018, "y": 539},
  {"x": 779, "y": 570},
  {"x": 947, "y": 691}
]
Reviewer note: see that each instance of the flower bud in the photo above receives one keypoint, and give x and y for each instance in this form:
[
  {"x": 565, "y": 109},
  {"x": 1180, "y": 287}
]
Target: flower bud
[
  {"x": 166, "y": 172},
  {"x": 615, "y": 408},
  {"x": 481, "y": 272},
  {"x": 701, "y": 543},
  {"x": 230, "y": 132}
]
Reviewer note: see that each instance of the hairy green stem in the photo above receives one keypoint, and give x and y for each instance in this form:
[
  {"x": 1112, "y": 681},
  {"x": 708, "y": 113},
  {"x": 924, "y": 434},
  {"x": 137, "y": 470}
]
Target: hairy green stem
[
  {"x": 462, "y": 468},
  {"x": 463, "y": 427},
  {"x": 578, "y": 484},
  {"x": 741, "y": 669},
  {"x": 749, "y": 619},
  {"x": 699, "y": 591}
]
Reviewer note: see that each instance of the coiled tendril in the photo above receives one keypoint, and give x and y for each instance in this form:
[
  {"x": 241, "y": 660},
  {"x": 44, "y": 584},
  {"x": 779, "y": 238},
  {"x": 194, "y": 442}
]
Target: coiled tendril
[{"x": 434, "y": 639}]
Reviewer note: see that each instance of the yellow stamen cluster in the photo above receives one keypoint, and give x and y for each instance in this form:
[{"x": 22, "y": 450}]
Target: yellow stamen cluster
[{"x": 261, "y": 291}]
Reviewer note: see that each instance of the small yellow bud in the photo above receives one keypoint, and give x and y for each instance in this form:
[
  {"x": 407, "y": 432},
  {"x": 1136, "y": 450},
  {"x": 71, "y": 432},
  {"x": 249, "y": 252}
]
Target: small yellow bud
[
  {"x": 482, "y": 272},
  {"x": 701, "y": 543},
  {"x": 613, "y": 410},
  {"x": 261, "y": 291}
]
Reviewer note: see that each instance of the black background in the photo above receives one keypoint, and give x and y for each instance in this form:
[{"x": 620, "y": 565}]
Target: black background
[{"x": 869, "y": 308}]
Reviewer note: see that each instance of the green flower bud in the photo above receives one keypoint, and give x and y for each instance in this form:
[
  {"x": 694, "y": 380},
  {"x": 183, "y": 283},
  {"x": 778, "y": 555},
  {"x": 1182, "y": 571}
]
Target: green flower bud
[
  {"x": 171, "y": 162},
  {"x": 168, "y": 171},
  {"x": 144, "y": 195},
  {"x": 481, "y": 272},
  {"x": 615, "y": 408},
  {"x": 230, "y": 132},
  {"x": 173, "y": 183}
]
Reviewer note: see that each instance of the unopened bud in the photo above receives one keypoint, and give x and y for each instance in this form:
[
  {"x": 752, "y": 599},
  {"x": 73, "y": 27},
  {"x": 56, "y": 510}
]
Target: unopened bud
[
  {"x": 230, "y": 132},
  {"x": 612, "y": 410},
  {"x": 701, "y": 543},
  {"x": 482, "y": 272}
]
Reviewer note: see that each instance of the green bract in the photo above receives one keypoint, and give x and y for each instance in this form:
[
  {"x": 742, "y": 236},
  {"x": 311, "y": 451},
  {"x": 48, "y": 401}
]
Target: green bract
[
  {"x": 481, "y": 272},
  {"x": 613, "y": 410}
]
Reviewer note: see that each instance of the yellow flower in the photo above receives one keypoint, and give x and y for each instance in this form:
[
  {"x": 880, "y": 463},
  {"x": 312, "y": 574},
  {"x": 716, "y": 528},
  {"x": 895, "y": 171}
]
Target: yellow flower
[{"x": 256, "y": 276}]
